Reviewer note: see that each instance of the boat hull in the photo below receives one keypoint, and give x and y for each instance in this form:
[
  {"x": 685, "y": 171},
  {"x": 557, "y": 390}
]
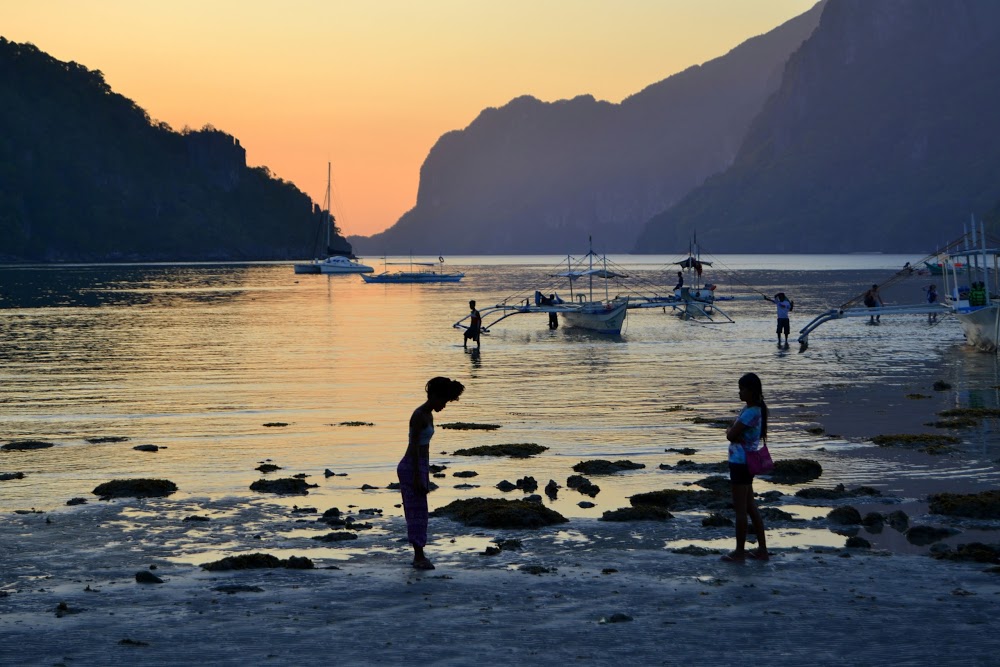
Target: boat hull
[
  {"x": 980, "y": 326},
  {"x": 307, "y": 268},
  {"x": 602, "y": 318},
  {"x": 404, "y": 277}
]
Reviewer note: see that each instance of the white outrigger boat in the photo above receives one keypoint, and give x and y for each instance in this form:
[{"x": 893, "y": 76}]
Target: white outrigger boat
[
  {"x": 976, "y": 304},
  {"x": 691, "y": 299},
  {"x": 582, "y": 310},
  {"x": 971, "y": 274}
]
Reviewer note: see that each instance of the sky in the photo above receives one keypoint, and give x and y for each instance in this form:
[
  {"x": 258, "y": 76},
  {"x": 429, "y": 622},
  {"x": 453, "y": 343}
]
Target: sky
[{"x": 370, "y": 85}]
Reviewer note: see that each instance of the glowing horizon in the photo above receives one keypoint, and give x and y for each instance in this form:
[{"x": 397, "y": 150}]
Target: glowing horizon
[{"x": 370, "y": 87}]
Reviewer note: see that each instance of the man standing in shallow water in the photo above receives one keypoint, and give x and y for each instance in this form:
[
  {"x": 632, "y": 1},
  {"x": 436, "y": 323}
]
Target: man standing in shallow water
[
  {"x": 785, "y": 306},
  {"x": 475, "y": 325}
]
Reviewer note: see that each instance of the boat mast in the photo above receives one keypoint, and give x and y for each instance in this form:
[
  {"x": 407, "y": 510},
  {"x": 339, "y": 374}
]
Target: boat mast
[
  {"x": 329, "y": 218},
  {"x": 590, "y": 275}
]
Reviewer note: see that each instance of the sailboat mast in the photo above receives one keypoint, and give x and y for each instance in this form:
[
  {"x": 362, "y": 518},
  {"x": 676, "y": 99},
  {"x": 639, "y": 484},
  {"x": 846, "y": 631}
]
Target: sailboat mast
[{"x": 329, "y": 218}]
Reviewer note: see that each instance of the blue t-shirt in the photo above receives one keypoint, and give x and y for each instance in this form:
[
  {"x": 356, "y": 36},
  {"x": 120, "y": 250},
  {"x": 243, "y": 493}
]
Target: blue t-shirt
[{"x": 750, "y": 438}]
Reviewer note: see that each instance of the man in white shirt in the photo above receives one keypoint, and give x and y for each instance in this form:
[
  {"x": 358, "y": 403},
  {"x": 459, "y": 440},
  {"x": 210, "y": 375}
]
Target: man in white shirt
[{"x": 784, "y": 306}]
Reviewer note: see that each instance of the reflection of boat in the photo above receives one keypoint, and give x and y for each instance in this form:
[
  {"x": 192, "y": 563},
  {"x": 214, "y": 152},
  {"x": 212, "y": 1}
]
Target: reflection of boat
[
  {"x": 582, "y": 310},
  {"x": 426, "y": 275},
  {"x": 340, "y": 264},
  {"x": 324, "y": 263}
]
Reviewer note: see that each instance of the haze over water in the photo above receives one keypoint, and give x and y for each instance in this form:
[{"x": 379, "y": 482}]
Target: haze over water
[{"x": 198, "y": 358}]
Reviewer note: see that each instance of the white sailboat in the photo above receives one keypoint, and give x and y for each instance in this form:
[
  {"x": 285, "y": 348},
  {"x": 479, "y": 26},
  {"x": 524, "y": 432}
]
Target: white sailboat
[{"x": 331, "y": 264}]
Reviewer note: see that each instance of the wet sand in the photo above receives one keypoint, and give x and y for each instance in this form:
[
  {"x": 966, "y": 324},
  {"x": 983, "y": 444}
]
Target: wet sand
[{"x": 603, "y": 592}]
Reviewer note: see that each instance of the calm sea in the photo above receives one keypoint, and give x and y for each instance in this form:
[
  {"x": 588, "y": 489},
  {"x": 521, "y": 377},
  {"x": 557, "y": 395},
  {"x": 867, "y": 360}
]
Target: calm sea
[{"x": 198, "y": 359}]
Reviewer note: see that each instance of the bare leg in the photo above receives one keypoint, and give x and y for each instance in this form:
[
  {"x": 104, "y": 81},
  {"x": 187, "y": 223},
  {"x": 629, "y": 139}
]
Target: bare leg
[
  {"x": 758, "y": 522},
  {"x": 740, "y": 494}
]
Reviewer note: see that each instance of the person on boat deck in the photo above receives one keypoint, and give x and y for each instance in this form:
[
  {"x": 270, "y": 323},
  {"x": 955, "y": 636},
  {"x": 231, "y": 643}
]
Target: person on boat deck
[
  {"x": 932, "y": 297},
  {"x": 873, "y": 299},
  {"x": 413, "y": 470},
  {"x": 475, "y": 324},
  {"x": 785, "y": 306},
  {"x": 680, "y": 281}
]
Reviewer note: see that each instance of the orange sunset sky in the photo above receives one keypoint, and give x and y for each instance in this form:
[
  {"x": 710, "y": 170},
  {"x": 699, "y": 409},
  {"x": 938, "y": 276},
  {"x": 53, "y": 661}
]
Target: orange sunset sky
[{"x": 370, "y": 85}]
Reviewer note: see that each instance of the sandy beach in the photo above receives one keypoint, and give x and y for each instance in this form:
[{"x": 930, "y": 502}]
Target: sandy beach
[{"x": 587, "y": 591}]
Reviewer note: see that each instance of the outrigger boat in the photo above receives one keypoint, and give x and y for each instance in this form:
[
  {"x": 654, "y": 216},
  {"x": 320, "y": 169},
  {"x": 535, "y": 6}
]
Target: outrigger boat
[
  {"x": 582, "y": 310},
  {"x": 968, "y": 269},
  {"x": 426, "y": 275},
  {"x": 691, "y": 299}
]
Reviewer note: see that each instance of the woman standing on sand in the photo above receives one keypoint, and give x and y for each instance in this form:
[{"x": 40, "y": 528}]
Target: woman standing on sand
[
  {"x": 414, "y": 469},
  {"x": 746, "y": 434}
]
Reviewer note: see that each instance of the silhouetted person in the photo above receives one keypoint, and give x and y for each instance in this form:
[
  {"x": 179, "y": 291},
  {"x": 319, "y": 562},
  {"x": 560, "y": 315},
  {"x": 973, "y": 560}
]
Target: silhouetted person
[
  {"x": 413, "y": 470},
  {"x": 873, "y": 299},
  {"x": 680, "y": 281},
  {"x": 553, "y": 317},
  {"x": 932, "y": 297},
  {"x": 475, "y": 324}
]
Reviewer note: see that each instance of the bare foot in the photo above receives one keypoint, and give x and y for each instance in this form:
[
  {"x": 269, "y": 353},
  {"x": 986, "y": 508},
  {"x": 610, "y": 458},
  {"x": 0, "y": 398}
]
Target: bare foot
[
  {"x": 734, "y": 557},
  {"x": 759, "y": 555},
  {"x": 423, "y": 564}
]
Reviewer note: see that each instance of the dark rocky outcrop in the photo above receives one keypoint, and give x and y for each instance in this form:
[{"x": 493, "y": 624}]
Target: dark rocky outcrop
[
  {"x": 975, "y": 552},
  {"x": 500, "y": 513},
  {"x": 289, "y": 486},
  {"x": 637, "y": 513},
  {"x": 147, "y": 577},
  {"x": 602, "y": 467},
  {"x": 683, "y": 499},
  {"x": 836, "y": 493},
  {"x": 25, "y": 445},
  {"x": 795, "y": 471},
  {"x": 258, "y": 561},
  {"x": 984, "y": 505},
  {"x": 844, "y": 516},
  {"x": 583, "y": 485},
  {"x": 336, "y": 536},
  {"x": 135, "y": 488},
  {"x": 513, "y": 450},
  {"x": 924, "y": 535}
]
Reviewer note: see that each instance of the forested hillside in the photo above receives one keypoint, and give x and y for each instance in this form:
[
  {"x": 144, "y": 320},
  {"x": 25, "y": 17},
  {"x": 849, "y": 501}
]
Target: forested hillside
[{"x": 86, "y": 175}]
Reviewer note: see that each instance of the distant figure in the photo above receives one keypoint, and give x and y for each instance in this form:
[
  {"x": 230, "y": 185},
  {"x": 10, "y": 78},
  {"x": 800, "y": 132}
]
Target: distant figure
[
  {"x": 873, "y": 299},
  {"x": 932, "y": 297},
  {"x": 785, "y": 307},
  {"x": 553, "y": 317},
  {"x": 413, "y": 470},
  {"x": 746, "y": 434},
  {"x": 680, "y": 281},
  {"x": 475, "y": 324}
]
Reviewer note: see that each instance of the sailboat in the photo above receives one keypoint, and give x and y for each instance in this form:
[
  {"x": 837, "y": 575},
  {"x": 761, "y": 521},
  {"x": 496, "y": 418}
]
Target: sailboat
[{"x": 331, "y": 263}]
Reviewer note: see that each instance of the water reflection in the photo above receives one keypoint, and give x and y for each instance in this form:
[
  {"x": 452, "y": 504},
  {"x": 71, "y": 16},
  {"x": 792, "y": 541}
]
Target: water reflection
[{"x": 197, "y": 359}]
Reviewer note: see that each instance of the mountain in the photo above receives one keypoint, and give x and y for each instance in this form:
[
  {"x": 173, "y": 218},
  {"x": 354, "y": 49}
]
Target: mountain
[
  {"x": 540, "y": 177},
  {"x": 85, "y": 175},
  {"x": 883, "y": 136}
]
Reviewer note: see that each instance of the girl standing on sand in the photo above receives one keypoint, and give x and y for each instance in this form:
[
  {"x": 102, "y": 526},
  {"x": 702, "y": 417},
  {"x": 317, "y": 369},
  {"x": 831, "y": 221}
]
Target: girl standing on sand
[
  {"x": 413, "y": 470},
  {"x": 746, "y": 434}
]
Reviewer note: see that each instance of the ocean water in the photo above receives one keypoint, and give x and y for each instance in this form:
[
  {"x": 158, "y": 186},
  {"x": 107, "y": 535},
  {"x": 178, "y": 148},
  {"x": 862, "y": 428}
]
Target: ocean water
[{"x": 199, "y": 359}]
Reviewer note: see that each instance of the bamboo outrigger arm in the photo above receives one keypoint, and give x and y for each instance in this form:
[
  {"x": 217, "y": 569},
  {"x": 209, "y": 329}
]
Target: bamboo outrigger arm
[{"x": 864, "y": 311}]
